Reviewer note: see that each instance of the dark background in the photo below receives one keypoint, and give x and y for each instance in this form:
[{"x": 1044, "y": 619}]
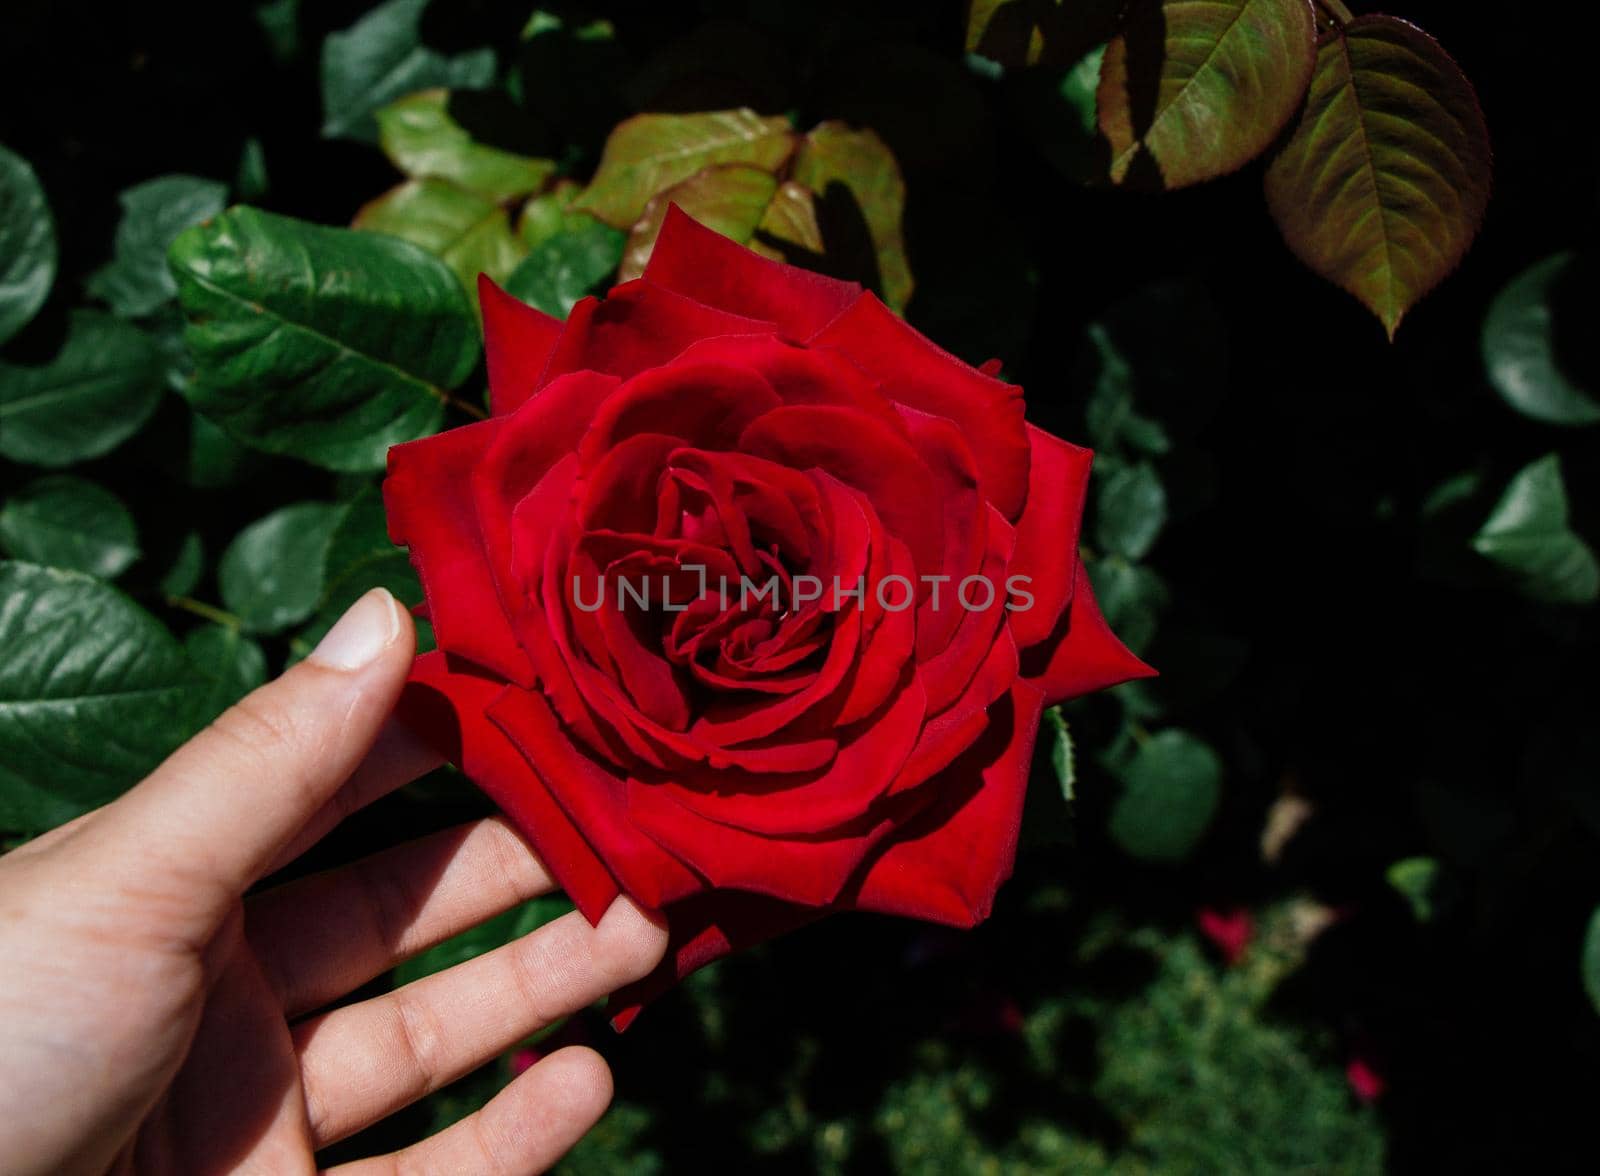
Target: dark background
[{"x": 1320, "y": 632}]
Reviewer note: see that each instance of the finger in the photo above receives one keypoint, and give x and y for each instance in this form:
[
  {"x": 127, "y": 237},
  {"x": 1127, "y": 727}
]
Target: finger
[
  {"x": 361, "y": 1063},
  {"x": 320, "y": 937},
  {"x": 210, "y": 820},
  {"x": 527, "y": 1127},
  {"x": 397, "y": 758}
]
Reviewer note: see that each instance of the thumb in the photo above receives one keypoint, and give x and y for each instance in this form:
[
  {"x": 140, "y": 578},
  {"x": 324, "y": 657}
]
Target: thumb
[{"x": 213, "y": 816}]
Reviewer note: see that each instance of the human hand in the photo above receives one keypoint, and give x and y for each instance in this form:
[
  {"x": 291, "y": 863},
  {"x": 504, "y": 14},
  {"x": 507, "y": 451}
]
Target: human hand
[{"x": 152, "y": 1020}]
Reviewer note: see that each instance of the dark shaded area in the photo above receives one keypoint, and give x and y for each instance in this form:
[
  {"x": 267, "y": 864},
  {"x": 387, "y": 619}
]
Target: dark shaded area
[{"x": 1321, "y": 632}]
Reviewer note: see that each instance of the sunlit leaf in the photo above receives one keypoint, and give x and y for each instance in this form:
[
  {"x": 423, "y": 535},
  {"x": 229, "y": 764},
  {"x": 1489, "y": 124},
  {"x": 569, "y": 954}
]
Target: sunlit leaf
[
  {"x": 651, "y": 152},
  {"x": 1383, "y": 184},
  {"x": 1194, "y": 89},
  {"x": 857, "y": 159},
  {"x": 469, "y": 233},
  {"x": 420, "y": 137},
  {"x": 730, "y": 198},
  {"x": 567, "y": 265}
]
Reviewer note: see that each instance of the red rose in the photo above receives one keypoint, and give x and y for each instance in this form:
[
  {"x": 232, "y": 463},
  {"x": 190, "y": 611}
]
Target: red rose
[{"x": 744, "y": 761}]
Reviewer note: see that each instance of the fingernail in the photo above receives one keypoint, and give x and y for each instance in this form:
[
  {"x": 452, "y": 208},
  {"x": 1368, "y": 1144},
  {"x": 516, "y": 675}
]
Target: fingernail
[{"x": 361, "y": 634}]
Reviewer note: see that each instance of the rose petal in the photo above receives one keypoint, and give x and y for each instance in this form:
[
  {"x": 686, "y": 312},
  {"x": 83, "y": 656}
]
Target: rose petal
[
  {"x": 948, "y": 862},
  {"x": 517, "y": 342},
  {"x": 447, "y": 710},
  {"x": 704, "y": 265},
  {"x": 428, "y": 497},
  {"x": 916, "y": 373},
  {"x": 1047, "y": 533},
  {"x": 1082, "y": 655}
]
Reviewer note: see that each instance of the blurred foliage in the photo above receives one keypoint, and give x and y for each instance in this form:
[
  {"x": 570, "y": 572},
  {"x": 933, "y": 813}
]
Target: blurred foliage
[{"x": 1368, "y": 773}]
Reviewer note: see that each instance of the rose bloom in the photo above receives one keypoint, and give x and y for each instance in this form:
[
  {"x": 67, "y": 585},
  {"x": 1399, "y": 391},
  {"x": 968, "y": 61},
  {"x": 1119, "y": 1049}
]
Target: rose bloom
[{"x": 744, "y": 765}]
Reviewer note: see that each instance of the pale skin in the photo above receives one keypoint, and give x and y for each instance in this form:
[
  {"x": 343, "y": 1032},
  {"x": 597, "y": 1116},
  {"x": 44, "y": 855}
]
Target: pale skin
[{"x": 153, "y": 1019}]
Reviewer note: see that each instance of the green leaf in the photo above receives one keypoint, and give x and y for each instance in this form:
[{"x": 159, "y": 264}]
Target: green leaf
[
  {"x": 1383, "y": 184},
  {"x": 67, "y": 522},
  {"x": 381, "y": 58},
  {"x": 189, "y": 563},
  {"x": 357, "y": 558},
  {"x": 1519, "y": 348},
  {"x": 469, "y": 233},
  {"x": 327, "y": 344},
  {"x": 1131, "y": 510},
  {"x": 1194, "y": 89},
  {"x": 567, "y": 265},
  {"x": 548, "y": 213},
  {"x": 422, "y": 140},
  {"x": 1062, "y": 758},
  {"x": 1528, "y": 536},
  {"x": 502, "y": 929},
  {"x": 94, "y": 693},
  {"x": 97, "y": 392},
  {"x": 1110, "y": 416},
  {"x": 1591, "y": 960},
  {"x": 271, "y": 574},
  {"x": 230, "y": 665},
  {"x": 27, "y": 244},
  {"x": 1416, "y": 879},
  {"x": 1170, "y": 791},
  {"x": 215, "y": 459},
  {"x": 834, "y": 154},
  {"x": 651, "y": 152},
  {"x": 137, "y": 281},
  {"x": 250, "y": 180},
  {"x": 1132, "y": 598},
  {"x": 729, "y": 198}
]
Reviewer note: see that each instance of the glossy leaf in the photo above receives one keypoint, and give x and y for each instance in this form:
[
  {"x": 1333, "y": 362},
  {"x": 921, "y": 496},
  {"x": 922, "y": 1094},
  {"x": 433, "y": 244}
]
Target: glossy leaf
[
  {"x": 137, "y": 281},
  {"x": 67, "y": 522},
  {"x": 270, "y": 576},
  {"x": 789, "y": 223},
  {"x": 188, "y": 565},
  {"x": 469, "y": 233},
  {"x": 1170, "y": 791},
  {"x": 1131, "y": 510},
  {"x": 1528, "y": 536},
  {"x": 1383, "y": 184},
  {"x": 229, "y": 666},
  {"x": 651, "y": 152},
  {"x": 835, "y": 154},
  {"x": 94, "y": 693},
  {"x": 1520, "y": 347},
  {"x": 381, "y": 58},
  {"x": 567, "y": 265},
  {"x": 95, "y": 394},
  {"x": 422, "y": 140},
  {"x": 1194, "y": 89},
  {"x": 327, "y": 344},
  {"x": 358, "y": 557},
  {"x": 27, "y": 244},
  {"x": 731, "y": 198}
]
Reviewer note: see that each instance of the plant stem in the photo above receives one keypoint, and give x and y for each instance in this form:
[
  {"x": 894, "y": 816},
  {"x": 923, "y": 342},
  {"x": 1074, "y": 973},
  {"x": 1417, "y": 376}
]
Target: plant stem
[
  {"x": 1337, "y": 12},
  {"x": 466, "y": 406},
  {"x": 209, "y": 612}
]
